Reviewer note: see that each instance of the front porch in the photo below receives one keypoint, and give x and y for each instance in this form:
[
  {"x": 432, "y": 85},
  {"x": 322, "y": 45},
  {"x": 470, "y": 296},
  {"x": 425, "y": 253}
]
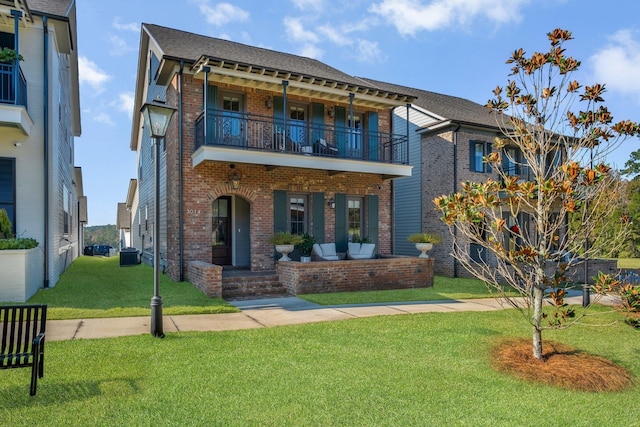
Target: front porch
[{"x": 296, "y": 278}]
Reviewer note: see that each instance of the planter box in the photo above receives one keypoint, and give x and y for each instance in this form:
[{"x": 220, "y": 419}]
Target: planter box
[
  {"x": 22, "y": 274},
  {"x": 387, "y": 272}
]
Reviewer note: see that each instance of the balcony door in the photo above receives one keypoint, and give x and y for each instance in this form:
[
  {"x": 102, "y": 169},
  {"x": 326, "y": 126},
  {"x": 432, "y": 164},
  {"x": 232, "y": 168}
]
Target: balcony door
[
  {"x": 354, "y": 136},
  {"x": 233, "y": 125}
]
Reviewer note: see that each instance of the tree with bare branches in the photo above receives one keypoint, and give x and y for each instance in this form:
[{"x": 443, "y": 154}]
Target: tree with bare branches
[{"x": 550, "y": 168}]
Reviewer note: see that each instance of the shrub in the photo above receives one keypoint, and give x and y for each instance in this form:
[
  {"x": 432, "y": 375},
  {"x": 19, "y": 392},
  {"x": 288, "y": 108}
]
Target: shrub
[
  {"x": 18, "y": 243},
  {"x": 285, "y": 238},
  {"x": 5, "y": 225},
  {"x": 306, "y": 246},
  {"x": 424, "y": 238}
]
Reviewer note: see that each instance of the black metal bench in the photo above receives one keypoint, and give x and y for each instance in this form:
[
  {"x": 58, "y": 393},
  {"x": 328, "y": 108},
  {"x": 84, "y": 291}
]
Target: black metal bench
[{"x": 22, "y": 329}]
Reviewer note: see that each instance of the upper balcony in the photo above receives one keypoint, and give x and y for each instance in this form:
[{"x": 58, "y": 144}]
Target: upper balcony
[
  {"x": 13, "y": 98},
  {"x": 274, "y": 142}
]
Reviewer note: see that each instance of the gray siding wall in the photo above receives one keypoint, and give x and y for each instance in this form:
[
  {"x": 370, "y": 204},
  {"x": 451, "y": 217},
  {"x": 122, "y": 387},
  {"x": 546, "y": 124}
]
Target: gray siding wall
[
  {"x": 142, "y": 239},
  {"x": 407, "y": 191}
]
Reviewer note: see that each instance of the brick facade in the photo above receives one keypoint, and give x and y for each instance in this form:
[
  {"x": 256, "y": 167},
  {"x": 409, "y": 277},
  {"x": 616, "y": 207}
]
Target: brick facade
[
  {"x": 360, "y": 275},
  {"x": 201, "y": 185},
  {"x": 444, "y": 164}
]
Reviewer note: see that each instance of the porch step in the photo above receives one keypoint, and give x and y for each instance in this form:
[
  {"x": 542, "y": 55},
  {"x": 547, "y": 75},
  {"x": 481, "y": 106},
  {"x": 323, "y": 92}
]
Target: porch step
[{"x": 252, "y": 286}]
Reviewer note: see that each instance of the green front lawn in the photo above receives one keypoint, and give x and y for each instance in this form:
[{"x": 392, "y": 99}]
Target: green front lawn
[
  {"x": 410, "y": 370},
  {"x": 444, "y": 288},
  {"x": 98, "y": 287}
]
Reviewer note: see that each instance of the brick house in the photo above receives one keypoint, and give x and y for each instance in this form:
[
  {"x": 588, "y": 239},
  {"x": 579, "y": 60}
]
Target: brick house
[
  {"x": 447, "y": 140},
  {"x": 262, "y": 141},
  {"x": 40, "y": 188}
]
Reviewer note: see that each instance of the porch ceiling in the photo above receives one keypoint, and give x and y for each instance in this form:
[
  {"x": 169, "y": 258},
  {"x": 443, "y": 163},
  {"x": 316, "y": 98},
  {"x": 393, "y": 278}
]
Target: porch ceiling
[
  {"x": 299, "y": 84},
  {"x": 275, "y": 159}
]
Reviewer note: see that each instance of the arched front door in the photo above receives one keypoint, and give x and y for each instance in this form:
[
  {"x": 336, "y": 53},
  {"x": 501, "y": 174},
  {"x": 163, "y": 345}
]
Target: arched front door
[{"x": 230, "y": 237}]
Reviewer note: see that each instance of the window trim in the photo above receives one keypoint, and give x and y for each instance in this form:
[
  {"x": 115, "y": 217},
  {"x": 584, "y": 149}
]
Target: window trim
[
  {"x": 486, "y": 150},
  {"x": 307, "y": 211}
]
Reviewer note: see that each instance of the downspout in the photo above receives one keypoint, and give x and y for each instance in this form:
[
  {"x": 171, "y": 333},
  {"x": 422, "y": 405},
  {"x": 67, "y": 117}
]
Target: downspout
[
  {"x": 45, "y": 103},
  {"x": 455, "y": 189},
  {"x": 180, "y": 148}
]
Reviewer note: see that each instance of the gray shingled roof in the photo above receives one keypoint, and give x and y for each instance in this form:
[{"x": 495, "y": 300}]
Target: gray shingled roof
[
  {"x": 50, "y": 7},
  {"x": 190, "y": 47},
  {"x": 450, "y": 107}
]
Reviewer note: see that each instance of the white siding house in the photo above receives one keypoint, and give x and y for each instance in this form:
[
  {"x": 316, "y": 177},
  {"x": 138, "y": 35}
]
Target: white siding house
[{"x": 40, "y": 187}]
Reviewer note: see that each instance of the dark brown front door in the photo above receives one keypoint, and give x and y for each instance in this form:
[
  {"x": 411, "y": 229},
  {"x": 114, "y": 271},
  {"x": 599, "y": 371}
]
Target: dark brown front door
[{"x": 221, "y": 231}]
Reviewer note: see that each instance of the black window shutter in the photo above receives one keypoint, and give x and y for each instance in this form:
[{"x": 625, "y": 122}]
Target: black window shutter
[
  {"x": 279, "y": 210},
  {"x": 317, "y": 230},
  {"x": 341, "y": 222},
  {"x": 373, "y": 219}
]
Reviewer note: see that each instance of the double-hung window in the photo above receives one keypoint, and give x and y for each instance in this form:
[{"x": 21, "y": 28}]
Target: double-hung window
[
  {"x": 477, "y": 151},
  {"x": 298, "y": 218}
]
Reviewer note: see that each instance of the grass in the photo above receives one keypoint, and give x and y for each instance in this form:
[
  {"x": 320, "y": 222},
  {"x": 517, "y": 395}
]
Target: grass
[
  {"x": 443, "y": 288},
  {"x": 95, "y": 287},
  {"x": 628, "y": 262},
  {"x": 410, "y": 370}
]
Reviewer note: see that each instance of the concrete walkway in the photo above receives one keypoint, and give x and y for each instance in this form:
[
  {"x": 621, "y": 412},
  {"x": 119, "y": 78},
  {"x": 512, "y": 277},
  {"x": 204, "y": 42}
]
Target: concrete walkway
[{"x": 262, "y": 313}]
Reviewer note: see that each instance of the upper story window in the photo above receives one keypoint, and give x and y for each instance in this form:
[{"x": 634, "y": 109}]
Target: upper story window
[
  {"x": 511, "y": 161},
  {"x": 477, "y": 151}
]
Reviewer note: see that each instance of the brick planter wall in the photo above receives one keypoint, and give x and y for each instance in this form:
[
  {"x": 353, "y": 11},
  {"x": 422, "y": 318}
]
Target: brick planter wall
[
  {"x": 356, "y": 275},
  {"x": 206, "y": 277}
]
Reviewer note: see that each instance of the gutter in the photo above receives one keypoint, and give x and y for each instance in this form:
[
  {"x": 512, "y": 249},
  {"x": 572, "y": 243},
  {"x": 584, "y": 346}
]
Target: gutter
[
  {"x": 180, "y": 195},
  {"x": 455, "y": 188}
]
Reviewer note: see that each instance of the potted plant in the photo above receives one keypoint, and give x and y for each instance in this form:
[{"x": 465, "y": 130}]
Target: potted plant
[
  {"x": 424, "y": 242},
  {"x": 9, "y": 55},
  {"x": 306, "y": 247},
  {"x": 284, "y": 242}
]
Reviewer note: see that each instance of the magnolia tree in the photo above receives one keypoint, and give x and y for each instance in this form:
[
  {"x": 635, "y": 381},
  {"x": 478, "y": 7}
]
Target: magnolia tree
[{"x": 513, "y": 229}]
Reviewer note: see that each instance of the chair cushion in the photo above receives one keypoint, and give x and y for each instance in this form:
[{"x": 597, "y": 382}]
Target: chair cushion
[
  {"x": 354, "y": 248},
  {"x": 367, "y": 249},
  {"x": 328, "y": 249}
]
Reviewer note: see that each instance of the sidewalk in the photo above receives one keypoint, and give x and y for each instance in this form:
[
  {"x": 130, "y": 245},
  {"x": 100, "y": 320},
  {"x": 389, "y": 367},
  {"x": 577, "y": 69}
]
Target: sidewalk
[{"x": 261, "y": 313}]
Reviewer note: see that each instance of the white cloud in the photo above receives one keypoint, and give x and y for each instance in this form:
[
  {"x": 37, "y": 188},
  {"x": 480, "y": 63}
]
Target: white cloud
[
  {"x": 132, "y": 26},
  {"x": 119, "y": 46},
  {"x": 412, "y": 16},
  {"x": 296, "y": 31},
  {"x": 316, "y": 5},
  {"x": 312, "y": 51},
  {"x": 334, "y": 35},
  {"x": 618, "y": 64},
  {"x": 222, "y": 13},
  {"x": 125, "y": 103},
  {"x": 369, "y": 51},
  {"x": 103, "y": 118},
  {"x": 90, "y": 74}
]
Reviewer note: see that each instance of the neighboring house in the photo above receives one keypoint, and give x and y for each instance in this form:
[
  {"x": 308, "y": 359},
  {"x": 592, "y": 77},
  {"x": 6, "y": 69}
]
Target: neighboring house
[
  {"x": 39, "y": 117},
  {"x": 262, "y": 141},
  {"x": 448, "y": 138},
  {"x": 124, "y": 225}
]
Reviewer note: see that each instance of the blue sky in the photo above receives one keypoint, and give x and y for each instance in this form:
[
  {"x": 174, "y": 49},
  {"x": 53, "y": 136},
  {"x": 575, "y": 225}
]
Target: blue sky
[{"x": 455, "y": 47}]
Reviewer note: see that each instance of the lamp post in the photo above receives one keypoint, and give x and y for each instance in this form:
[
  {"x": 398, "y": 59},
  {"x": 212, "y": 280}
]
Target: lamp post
[{"x": 157, "y": 116}]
